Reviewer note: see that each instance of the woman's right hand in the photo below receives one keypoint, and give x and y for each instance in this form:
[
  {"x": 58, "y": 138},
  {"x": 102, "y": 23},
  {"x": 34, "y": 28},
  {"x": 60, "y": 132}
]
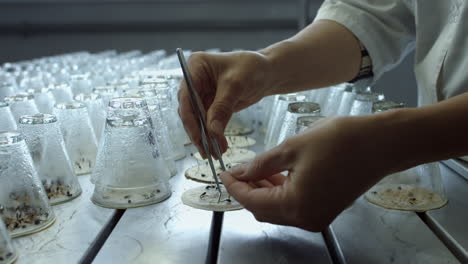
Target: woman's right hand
[{"x": 227, "y": 83}]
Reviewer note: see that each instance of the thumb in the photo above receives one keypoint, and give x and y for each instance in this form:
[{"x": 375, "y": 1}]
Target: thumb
[{"x": 265, "y": 165}]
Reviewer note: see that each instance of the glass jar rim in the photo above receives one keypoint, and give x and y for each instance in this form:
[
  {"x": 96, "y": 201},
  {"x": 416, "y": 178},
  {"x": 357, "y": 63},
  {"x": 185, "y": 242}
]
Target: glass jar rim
[
  {"x": 10, "y": 137},
  {"x": 37, "y": 119},
  {"x": 70, "y": 105},
  {"x": 41, "y": 90},
  {"x": 292, "y": 97},
  {"x": 21, "y": 97},
  {"x": 370, "y": 97},
  {"x": 127, "y": 103},
  {"x": 131, "y": 120},
  {"x": 385, "y": 106},
  {"x": 304, "y": 108},
  {"x": 308, "y": 120},
  {"x": 88, "y": 97}
]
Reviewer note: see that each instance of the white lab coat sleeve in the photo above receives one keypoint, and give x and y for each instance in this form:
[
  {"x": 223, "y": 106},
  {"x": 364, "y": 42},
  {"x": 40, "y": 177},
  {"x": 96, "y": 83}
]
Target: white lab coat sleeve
[{"x": 386, "y": 28}]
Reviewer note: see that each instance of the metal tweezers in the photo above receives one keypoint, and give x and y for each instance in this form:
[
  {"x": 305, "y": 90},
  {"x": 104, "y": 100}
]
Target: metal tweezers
[{"x": 200, "y": 112}]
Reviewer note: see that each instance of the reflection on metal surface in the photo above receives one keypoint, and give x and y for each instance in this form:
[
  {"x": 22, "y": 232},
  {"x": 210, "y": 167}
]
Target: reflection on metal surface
[
  {"x": 459, "y": 166},
  {"x": 370, "y": 234},
  {"x": 168, "y": 232},
  {"x": 245, "y": 240},
  {"x": 450, "y": 221}
]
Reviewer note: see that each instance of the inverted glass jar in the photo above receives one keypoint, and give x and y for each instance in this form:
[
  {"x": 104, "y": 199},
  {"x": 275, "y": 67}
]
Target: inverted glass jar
[
  {"x": 107, "y": 92},
  {"x": 165, "y": 118},
  {"x": 347, "y": 99},
  {"x": 45, "y": 143},
  {"x": 24, "y": 206},
  {"x": 130, "y": 171},
  {"x": 362, "y": 104},
  {"x": 44, "y": 99},
  {"x": 123, "y": 105},
  {"x": 22, "y": 104},
  {"x": 80, "y": 83},
  {"x": 305, "y": 122},
  {"x": 295, "y": 110},
  {"x": 8, "y": 253},
  {"x": 96, "y": 111},
  {"x": 78, "y": 134},
  {"x": 7, "y": 121},
  {"x": 333, "y": 100},
  {"x": 62, "y": 93},
  {"x": 277, "y": 117},
  {"x": 265, "y": 107},
  {"x": 417, "y": 189},
  {"x": 269, "y": 120},
  {"x": 168, "y": 87},
  {"x": 6, "y": 89},
  {"x": 321, "y": 95}
]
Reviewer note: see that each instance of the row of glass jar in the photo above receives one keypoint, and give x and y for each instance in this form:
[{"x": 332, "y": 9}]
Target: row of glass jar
[
  {"x": 62, "y": 137},
  {"x": 52, "y": 137},
  {"x": 78, "y": 69},
  {"x": 35, "y": 167},
  {"x": 417, "y": 189}
]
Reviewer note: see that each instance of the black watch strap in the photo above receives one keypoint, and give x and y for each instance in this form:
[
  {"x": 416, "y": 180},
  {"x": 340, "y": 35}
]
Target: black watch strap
[{"x": 366, "y": 65}]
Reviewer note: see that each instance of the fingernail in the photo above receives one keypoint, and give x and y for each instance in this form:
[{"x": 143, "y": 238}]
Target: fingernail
[
  {"x": 223, "y": 174},
  {"x": 217, "y": 127},
  {"x": 238, "y": 171}
]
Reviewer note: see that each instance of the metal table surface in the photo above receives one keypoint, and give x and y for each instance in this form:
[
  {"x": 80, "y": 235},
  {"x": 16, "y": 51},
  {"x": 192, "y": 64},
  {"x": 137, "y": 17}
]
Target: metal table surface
[
  {"x": 458, "y": 165},
  {"x": 452, "y": 220},
  {"x": 365, "y": 233},
  {"x": 245, "y": 240},
  {"x": 168, "y": 232},
  {"x": 77, "y": 228}
]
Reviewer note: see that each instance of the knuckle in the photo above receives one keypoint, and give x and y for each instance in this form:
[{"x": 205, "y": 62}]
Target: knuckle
[
  {"x": 196, "y": 56},
  {"x": 288, "y": 149},
  {"x": 222, "y": 110},
  {"x": 257, "y": 164}
]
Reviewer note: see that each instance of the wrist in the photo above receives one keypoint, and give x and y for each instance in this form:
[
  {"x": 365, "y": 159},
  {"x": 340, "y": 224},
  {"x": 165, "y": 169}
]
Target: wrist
[
  {"x": 277, "y": 73},
  {"x": 378, "y": 142}
]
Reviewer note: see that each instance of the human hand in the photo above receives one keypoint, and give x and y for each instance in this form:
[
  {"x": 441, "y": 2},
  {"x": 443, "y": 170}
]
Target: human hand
[
  {"x": 227, "y": 83},
  {"x": 329, "y": 166}
]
